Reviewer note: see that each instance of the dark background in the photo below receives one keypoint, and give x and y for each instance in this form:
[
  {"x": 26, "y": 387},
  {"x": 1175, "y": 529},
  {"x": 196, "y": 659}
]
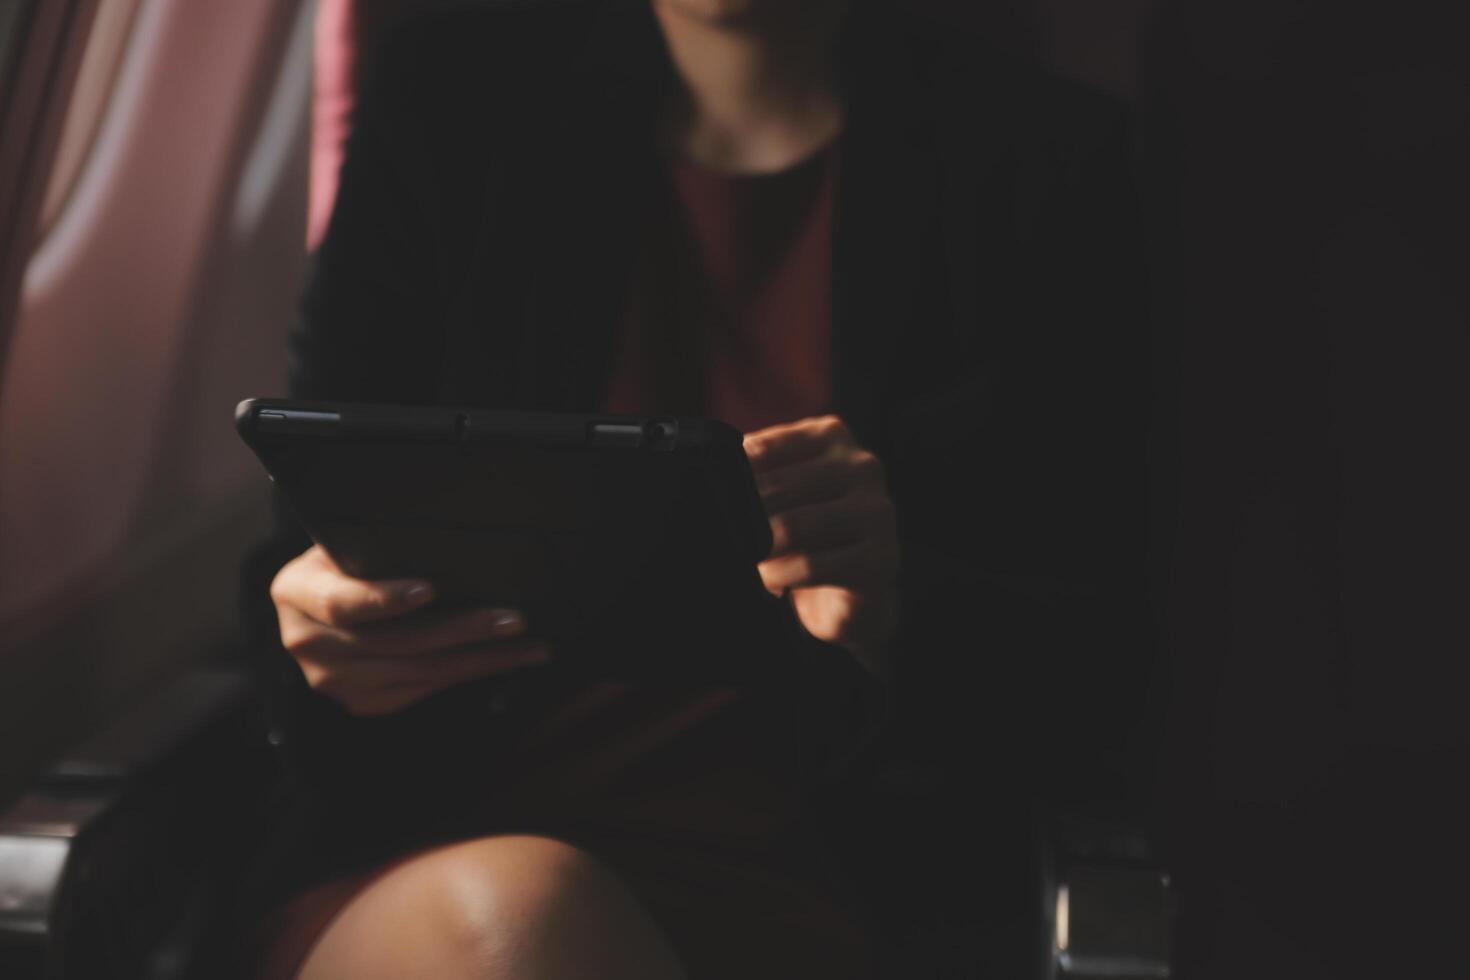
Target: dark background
[{"x": 1303, "y": 169}]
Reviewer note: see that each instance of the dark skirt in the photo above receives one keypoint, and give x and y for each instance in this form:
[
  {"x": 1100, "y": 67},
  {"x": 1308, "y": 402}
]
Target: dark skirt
[{"x": 701, "y": 800}]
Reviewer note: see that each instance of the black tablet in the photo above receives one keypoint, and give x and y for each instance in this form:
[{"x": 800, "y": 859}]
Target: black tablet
[{"x": 631, "y": 542}]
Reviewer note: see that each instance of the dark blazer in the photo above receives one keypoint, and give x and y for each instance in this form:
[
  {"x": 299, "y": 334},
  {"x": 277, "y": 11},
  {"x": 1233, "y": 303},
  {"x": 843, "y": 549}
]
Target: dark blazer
[{"x": 988, "y": 331}]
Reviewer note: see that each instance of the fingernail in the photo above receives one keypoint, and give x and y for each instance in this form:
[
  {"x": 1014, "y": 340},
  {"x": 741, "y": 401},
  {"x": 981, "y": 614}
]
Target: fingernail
[
  {"x": 506, "y": 620},
  {"x": 418, "y": 592}
]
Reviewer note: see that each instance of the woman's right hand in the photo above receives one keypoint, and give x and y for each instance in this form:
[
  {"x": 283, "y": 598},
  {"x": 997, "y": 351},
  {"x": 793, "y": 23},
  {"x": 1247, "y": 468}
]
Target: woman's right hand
[{"x": 374, "y": 649}]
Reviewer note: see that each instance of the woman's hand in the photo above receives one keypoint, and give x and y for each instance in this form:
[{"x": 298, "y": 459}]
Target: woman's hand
[
  {"x": 371, "y": 648},
  {"x": 835, "y": 539}
]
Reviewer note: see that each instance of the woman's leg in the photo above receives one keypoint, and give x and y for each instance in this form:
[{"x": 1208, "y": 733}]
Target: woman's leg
[{"x": 522, "y": 907}]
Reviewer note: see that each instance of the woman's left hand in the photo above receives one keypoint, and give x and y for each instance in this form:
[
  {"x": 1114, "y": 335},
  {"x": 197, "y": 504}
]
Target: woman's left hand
[{"x": 835, "y": 539}]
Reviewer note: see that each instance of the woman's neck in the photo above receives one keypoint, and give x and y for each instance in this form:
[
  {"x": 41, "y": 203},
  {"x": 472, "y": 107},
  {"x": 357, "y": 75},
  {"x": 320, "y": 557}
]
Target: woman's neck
[{"x": 758, "y": 92}]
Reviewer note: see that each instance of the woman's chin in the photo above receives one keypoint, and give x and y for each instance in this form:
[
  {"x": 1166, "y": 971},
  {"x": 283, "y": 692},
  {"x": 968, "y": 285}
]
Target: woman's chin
[{"x": 730, "y": 12}]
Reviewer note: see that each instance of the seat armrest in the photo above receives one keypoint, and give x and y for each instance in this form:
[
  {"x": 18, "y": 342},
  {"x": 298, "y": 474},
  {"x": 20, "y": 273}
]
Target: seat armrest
[
  {"x": 112, "y": 861},
  {"x": 1107, "y": 904}
]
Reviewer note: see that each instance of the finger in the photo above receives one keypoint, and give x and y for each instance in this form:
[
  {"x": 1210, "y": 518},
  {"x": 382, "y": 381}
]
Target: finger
[
  {"x": 420, "y": 635},
  {"x": 782, "y": 445},
  {"x": 312, "y": 584},
  {"x": 818, "y": 480},
  {"x": 297, "y": 629},
  {"x": 818, "y": 527},
  {"x": 414, "y": 679},
  {"x": 431, "y": 633},
  {"x": 350, "y": 679},
  {"x": 854, "y": 566},
  {"x": 473, "y": 663}
]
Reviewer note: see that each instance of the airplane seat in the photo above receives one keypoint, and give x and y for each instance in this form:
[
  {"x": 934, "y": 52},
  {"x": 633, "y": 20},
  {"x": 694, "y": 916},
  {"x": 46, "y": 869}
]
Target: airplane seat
[{"x": 122, "y": 858}]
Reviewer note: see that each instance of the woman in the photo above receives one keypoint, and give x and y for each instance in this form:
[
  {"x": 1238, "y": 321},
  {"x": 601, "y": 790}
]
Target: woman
[{"x": 885, "y": 255}]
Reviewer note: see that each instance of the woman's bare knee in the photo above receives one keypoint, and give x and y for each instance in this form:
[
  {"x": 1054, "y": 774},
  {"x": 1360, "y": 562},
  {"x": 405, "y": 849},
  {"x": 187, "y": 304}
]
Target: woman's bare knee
[{"x": 514, "y": 906}]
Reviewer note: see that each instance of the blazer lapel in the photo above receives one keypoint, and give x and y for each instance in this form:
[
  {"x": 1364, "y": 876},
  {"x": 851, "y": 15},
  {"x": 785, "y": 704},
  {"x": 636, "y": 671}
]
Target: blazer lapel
[{"x": 604, "y": 168}]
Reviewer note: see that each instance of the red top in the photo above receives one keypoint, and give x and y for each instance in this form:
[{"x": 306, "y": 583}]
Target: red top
[
  {"x": 727, "y": 315},
  {"x": 730, "y": 310}
]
